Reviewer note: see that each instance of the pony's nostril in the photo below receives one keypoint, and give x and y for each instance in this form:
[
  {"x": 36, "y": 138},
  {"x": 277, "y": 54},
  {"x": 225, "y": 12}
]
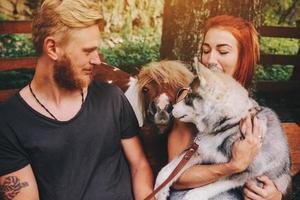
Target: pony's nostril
[{"x": 152, "y": 108}]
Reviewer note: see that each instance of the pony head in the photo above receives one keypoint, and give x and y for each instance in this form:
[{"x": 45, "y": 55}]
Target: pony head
[{"x": 157, "y": 85}]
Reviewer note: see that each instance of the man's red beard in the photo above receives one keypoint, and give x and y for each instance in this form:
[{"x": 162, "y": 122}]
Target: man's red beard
[{"x": 65, "y": 75}]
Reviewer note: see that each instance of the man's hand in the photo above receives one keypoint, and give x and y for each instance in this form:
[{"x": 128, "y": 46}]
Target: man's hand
[{"x": 268, "y": 192}]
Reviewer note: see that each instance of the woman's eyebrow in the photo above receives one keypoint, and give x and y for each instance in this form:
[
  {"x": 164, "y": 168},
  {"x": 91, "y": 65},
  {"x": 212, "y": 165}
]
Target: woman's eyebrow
[{"x": 224, "y": 45}]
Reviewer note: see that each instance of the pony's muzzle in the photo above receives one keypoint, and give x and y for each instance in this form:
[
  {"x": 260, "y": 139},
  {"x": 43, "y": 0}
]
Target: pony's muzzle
[{"x": 162, "y": 118}]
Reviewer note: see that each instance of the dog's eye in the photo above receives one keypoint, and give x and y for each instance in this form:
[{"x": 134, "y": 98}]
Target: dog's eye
[
  {"x": 189, "y": 99},
  {"x": 181, "y": 94}
]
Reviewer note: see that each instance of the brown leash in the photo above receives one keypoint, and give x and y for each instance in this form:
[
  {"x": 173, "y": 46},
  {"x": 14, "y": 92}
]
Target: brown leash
[{"x": 190, "y": 152}]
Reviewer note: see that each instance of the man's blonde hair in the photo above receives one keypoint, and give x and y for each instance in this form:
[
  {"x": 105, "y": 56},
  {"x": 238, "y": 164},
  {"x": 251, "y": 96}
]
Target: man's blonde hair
[{"x": 60, "y": 17}]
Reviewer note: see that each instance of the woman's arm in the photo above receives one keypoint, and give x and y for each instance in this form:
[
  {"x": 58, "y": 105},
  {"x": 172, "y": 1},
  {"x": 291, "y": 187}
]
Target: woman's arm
[{"x": 243, "y": 153}]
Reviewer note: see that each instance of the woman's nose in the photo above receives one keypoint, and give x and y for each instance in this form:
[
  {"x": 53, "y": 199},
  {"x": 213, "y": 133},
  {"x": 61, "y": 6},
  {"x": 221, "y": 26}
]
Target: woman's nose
[
  {"x": 212, "y": 58},
  {"x": 213, "y": 63}
]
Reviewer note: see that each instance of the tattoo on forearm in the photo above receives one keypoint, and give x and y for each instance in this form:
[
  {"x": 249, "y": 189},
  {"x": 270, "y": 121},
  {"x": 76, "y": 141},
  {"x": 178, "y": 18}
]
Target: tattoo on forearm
[{"x": 11, "y": 186}]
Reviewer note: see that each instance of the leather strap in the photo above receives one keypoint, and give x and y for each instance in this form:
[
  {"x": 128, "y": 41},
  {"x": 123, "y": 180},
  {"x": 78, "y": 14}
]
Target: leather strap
[{"x": 189, "y": 153}]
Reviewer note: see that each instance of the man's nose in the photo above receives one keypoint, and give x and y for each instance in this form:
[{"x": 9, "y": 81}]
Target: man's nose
[{"x": 95, "y": 60}]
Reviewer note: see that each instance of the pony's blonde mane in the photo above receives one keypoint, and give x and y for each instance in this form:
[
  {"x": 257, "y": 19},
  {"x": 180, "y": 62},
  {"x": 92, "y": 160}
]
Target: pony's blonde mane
[{"x": 172, "y": 73}]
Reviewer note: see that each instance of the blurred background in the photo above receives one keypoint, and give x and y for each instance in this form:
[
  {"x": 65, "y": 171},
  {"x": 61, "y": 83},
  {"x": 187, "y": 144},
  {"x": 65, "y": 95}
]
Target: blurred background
[{"x": 136, "y": 32}]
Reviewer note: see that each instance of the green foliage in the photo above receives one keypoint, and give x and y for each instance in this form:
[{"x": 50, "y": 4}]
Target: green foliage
[
  {"x": 276, "y": 46},
  {"x": 15, "y": 79},
  {"x": 15, "y": 45},
  {"x": 276, "y": 12},
  {"x": 131, "y": 55},
  {"x": 279, "y": 46},
  {"x": 275, "y": 72},
  {"x": 2, "y": 17}
]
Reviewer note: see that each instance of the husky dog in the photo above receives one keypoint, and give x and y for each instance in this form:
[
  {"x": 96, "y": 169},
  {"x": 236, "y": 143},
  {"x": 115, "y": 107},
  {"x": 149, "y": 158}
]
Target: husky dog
[{"x": 216, "y": 103}]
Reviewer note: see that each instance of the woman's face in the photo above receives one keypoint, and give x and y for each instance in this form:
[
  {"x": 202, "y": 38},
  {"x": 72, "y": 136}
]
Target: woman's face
[{"x": 220, "y": 49}]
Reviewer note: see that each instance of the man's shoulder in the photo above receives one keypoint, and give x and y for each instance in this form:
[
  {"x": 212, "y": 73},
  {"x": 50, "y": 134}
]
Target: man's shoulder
[
  {"x": 105, "y": 88},
  {"x": 8, "y": 105}
]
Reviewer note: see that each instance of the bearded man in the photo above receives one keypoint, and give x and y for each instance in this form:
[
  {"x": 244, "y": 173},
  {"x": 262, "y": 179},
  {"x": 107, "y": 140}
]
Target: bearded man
[{"x": 65, "y": 136}]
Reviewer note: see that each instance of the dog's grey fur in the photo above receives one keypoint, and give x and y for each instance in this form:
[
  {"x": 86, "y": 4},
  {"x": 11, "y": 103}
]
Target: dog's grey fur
[{"x": 217, "y": 101}]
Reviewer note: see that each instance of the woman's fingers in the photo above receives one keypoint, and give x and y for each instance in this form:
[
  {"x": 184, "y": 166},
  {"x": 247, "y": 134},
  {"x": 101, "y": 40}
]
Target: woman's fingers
[
  {"x": 248, "y": 194},
  {"x": 248, "y": 124},
  {"x": 257, "y": 131},
  {"x": 251, "y": 185},
  {"x": 268, "y": 192},
  {"x": 265, "y": 180},
  {"x": 251, "y": 130}
]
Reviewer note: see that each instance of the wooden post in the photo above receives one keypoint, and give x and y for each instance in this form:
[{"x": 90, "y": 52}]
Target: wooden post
[{"x": 296, "y": 72}]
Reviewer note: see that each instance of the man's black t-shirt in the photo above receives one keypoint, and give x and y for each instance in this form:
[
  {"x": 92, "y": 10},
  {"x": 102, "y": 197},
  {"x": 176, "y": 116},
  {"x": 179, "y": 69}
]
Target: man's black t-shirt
[{"x": 78, "y": 159}]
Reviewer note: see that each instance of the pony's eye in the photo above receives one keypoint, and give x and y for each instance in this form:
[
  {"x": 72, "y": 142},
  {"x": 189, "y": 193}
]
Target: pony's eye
[{"x": 145, "y": 90}]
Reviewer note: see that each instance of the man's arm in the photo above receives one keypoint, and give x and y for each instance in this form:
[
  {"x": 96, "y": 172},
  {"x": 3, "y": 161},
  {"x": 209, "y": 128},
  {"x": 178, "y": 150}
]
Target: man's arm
[
  {"x": 19, "y": 185},
  {"x": 140, "y": 169}
]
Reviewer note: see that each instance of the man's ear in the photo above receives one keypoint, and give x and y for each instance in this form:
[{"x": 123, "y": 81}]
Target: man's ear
[{"x": 50, "y": 47}]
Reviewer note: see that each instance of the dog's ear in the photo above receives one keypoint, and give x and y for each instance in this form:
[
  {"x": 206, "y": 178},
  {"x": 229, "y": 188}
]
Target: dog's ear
[
  {"x": 206, "y": 76},
  {"x": 195, "y": 85},
  {"x": 200, "y": 79}
]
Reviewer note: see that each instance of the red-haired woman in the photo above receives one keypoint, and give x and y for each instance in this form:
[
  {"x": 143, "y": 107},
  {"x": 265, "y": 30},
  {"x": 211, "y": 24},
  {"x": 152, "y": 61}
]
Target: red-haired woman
[{"x": 231, "y": 44}]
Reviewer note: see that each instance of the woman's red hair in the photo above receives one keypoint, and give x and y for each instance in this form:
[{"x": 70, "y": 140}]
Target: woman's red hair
[{"x": 246, "y": 35}]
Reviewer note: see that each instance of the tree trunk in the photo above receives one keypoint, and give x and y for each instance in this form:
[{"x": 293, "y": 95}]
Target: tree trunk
[{"x": 183, "y": 22}]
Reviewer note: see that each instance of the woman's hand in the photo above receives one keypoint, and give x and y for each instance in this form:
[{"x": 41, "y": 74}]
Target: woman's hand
[
  {"x": 268, "y": 192},
  {"x": 245, "y": 150}
]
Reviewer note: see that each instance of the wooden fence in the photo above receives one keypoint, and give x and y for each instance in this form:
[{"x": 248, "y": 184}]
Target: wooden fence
[{"x": 293, "y": 84}]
